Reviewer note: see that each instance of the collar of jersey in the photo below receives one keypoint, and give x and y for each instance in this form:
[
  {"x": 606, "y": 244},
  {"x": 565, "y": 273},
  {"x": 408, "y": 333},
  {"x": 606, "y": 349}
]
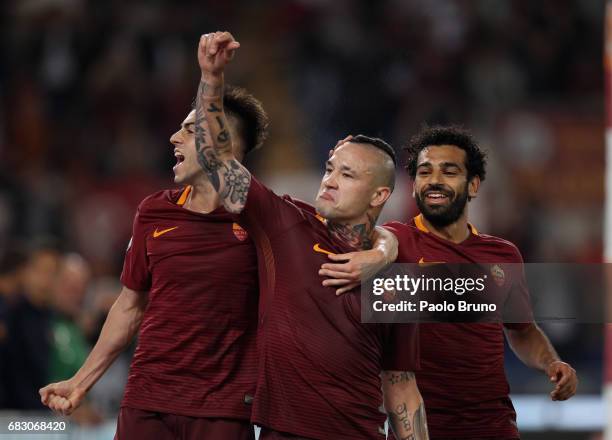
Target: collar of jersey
[
  {"x": 183, "y": 198},
  {"x": 418, "y": 222}
]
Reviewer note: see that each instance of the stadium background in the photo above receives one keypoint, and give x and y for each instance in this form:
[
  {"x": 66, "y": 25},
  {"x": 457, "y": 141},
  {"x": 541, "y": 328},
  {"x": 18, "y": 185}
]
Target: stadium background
[{"x": 92, "y": 90}]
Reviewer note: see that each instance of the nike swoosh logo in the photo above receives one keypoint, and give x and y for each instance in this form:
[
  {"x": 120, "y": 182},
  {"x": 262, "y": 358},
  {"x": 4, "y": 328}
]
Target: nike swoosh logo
[
  {"x": 157, "y": 233},
  {"x": 424, "y": 263},
  {"x": 317, "y": 248}
]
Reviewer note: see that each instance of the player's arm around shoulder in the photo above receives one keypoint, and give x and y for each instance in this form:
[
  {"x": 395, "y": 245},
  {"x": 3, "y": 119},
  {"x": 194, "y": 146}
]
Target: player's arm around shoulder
[
  {"x": 212, "y": 135},
  {"x": 404, "y": 405},
  {"x": 348, "y": 271}
]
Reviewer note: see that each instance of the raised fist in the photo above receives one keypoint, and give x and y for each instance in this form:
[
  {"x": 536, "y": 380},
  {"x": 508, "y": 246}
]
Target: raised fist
[{"x": 215, "y": 51}]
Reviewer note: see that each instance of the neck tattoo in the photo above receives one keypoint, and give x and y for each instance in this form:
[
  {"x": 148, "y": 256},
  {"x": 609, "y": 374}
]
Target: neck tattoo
[{"x": 357, "y": 236}]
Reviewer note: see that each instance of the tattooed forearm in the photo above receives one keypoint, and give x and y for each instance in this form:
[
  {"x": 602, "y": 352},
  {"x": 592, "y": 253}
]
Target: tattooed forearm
[
  {"x": 210, "y": 163},
  {"x": 212, "y": 108},
  {"x": 402, "y": 376},
  {"x": 210, "y": 90},
  {"x": 401, "y": 417},
  {"x": 207, "y": 156},
  {"x": 404, "y": 405},
  {"x": 210, "y": 98},
  {"x": 408, "y": 426},
  {"x": 223, "y": 135},
  {"x": 214, "y": 149}
]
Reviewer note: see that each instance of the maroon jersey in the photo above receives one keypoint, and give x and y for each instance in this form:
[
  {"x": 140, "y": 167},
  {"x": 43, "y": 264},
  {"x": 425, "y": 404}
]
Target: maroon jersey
[
  {"x": 462, "y": 377},
  {"x": 319, "y": 365},
  {"x": 196, "y": 351}
]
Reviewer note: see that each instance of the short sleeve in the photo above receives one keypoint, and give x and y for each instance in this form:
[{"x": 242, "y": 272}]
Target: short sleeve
[
  {"x": 402, "y": 349},
  {"x": 272, "y": 213},
  {"x": 518, "y": 312},
  {"x": 136, "y": 274},
  {"x": 393, "y": 226}
]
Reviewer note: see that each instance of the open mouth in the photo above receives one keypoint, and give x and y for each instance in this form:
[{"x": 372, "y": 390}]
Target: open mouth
[
  {"x": 436, "y": 197},
  {"x": 179, "y": 158}
]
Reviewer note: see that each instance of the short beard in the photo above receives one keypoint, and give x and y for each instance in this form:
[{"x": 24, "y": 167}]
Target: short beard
[{"x": 443, "y": 216}]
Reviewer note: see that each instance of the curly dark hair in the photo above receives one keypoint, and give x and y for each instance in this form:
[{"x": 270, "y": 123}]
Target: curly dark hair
[
  {"x": 475, "y": 160},
  {"x": 240, "y": 103}
]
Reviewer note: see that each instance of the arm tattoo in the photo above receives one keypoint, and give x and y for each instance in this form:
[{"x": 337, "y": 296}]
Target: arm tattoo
[
  {"x": 358, "y": 236},
  {"x": 227, "y": 176},
  {"x": 207, "y": 156},
  {"x": 402, "y": 377},
  {"x": 212, "y": 108},
  {"x": 236, "y": 183},
  {"x": 401, "y": 423},
  {"x": 210, "y": 91},
  {"x": 401, "y": 415}
]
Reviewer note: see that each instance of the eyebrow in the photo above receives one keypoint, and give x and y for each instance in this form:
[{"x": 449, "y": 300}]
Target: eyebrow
[
  {"x": 188, "y": 125},
  {"x": 343, "y": 167},
  {"x": 443, "y": 165}
]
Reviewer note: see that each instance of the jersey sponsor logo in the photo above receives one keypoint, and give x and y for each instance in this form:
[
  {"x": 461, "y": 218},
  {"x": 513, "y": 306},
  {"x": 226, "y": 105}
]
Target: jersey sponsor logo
[
  {"x": 424, "y": 263},
  {"x": 157, "y": 233},
  {"x": 499, "y": 276},
  {"x": 239, "y": 232},
  {"x": 317, "y": 248}
]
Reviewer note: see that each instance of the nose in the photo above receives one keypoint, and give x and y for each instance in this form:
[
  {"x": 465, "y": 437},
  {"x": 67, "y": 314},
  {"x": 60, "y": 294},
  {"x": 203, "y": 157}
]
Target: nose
[
  {"x": 330, "y": 181},
  {"x": 435, "y": 177},
  {"x": 175, "y": 138}
]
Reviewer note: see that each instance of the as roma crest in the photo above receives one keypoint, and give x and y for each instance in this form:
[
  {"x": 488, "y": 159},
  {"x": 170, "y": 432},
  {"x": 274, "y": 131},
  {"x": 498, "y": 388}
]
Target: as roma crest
[
  {"x": 239, "y": 232},
  {"x": 498, "y": 275}
]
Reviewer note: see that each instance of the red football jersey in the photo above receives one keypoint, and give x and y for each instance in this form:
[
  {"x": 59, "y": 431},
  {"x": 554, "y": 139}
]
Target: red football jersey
[
  {"x": 462, "y": 377},
  {"x": 319, "y": 365},
  {"x": 196, "y": 352}
]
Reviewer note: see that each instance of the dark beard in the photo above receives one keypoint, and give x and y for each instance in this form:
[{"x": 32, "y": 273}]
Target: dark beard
[{"x": 442, "y": 216}]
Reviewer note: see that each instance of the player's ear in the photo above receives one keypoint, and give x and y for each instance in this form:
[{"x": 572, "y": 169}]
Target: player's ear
[
  {"x": 380, "y": 196},
  {"x": 331, "y": 153},
  {"x": 413, "y": 189},
  {"x": 473, "y": 187}
]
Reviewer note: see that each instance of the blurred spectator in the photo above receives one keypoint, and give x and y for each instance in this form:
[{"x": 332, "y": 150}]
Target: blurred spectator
[
  {"x": 11, "y": 265},
  {"x": 30, "y": 332},
  {"x": 69, "y": 347}
]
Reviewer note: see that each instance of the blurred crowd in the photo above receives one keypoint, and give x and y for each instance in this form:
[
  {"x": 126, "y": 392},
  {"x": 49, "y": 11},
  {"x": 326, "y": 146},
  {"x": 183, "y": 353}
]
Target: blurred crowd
[
  {"x": 90, "y": 92},
  {"x": 51, "y": 314}
]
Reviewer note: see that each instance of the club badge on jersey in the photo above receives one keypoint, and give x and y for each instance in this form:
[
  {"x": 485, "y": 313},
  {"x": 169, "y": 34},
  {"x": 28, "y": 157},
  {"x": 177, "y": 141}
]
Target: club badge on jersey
[{"x": 239, "y": 232}]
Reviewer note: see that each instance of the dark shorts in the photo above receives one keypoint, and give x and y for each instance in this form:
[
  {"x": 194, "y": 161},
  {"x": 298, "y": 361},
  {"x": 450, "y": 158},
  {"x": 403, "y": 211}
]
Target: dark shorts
[
  {"x": 268, "y": 434},
  {"x": 137, "y": 424}
]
